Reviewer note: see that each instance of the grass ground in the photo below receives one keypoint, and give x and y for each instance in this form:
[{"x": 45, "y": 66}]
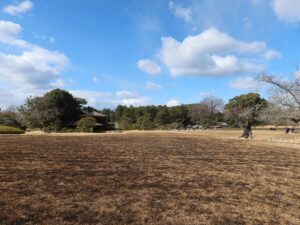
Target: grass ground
[{"x": 147, "y": 178}]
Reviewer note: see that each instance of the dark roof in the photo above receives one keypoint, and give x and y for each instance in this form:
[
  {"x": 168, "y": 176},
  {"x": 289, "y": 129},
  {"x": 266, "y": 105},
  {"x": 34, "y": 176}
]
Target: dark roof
[{"x": 94, "y": 114}]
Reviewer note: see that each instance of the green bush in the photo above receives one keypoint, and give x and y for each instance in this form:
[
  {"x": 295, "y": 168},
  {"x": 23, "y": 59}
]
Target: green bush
[
  {"x": 54, "y": 126},
  {"x": 86, "y": 124},
  {"x": 10, "y": 130}
]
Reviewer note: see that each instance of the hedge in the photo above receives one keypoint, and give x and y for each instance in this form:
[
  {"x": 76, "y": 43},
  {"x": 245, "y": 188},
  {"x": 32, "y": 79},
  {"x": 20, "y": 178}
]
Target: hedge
[{"x": 10, "y": 130}]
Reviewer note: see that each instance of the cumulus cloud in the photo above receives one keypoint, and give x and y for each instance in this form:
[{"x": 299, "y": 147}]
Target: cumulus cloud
[
  {"x": 34, "y": 67},
  {"x": 287, "y": 10},
  {"x": 18, "y": 9},
  {"x": 180, "y": 12},
  {"x": 272, "y": 54},
  {"x": 94, "y": 98},
  {"x": 9, "y": 32},
  {"x": 153, "y": 86},
  {"x": 149, "y": 66},
  {"x": 128, "y": 98},
  {"x": 211, "y": 53},
  {"x": 137, "y": 101},
  {"x": 172, "y": 103},
  {"x": 27, "y": 68},
  {"x": 244, "y": 83}
]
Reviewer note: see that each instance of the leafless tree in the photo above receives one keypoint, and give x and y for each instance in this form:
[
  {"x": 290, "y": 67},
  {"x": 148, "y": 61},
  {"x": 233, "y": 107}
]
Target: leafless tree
[
  {"x": 13, "y": 112},
  {"x": 285, "y": 96},
  {"x": 204, "y": 112}
]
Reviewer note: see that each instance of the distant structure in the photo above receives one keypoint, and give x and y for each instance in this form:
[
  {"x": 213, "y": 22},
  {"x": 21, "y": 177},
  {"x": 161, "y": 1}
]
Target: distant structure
[{"x": 100, "y": 118}]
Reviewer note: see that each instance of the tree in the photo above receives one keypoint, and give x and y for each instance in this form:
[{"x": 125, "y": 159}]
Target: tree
[
  {"x": 69, "y": 107},
  {"x": 38, "y": 112},
  {"x": 125, "y": 123},
  {"x": 163, "y": 116},
  {"x": 179, "y": 116},
  {"x": 86, "y": 124},
  {"x": 285, "y": 96},
  {"x": 145, "y": 123},
  {"x": 244, "y": 108},
  {"x": 119, "y": 111},
  {"x": 54, "y": 110},
  {"x": 207, "y": 112},
  {"x": 110, "y": 115}
]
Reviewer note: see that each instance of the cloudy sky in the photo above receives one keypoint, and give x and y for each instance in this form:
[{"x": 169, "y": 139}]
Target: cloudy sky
[{"x": 144, "y": 51}]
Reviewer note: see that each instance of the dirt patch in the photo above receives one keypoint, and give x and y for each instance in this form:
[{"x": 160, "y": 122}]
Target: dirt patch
[{"x": 147, "y": 178}]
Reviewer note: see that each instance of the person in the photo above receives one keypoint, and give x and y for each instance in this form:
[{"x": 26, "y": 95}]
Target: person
[
  {"x": 247, "y": 132},
  {"x": 287, "y": 130}
]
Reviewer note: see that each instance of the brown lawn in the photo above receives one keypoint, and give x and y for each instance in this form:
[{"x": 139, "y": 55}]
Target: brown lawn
[{"x": 147, "y": 178}]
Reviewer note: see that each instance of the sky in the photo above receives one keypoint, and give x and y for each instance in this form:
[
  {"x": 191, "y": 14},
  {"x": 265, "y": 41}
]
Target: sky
[{"x": 144, "y": 52}]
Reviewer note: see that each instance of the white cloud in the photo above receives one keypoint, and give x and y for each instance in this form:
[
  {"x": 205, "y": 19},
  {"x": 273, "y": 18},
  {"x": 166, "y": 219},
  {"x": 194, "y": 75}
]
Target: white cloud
[
  {"x": 10, "y": 97},
  {"x": 18, "y": 9},
  {"x": 244, "y": 83},
  {"x": 130, "y": 98},
  {"x": 9, "y": 32},
  {"x": 211, "y": 53},
  {"x": 138, "y": 101},
  {"x": 180, "y": 12},
  {"x": 149, "y": 66},
  {"x": 126, "y": 94},
  {"x": 36, "y": 68},
  {"x": 153, "y": 86},
  {"x": 33, "y": 67},
  {"x": 26, "y": 67},
  {"x": 287, "y": 10},
  {"x": 172, "y": 103},
  {"x": 272, "y": 54},
  {"x": 59, "y": 83},
  {"x": 94, "y": 98},
  {"x": 297, "y": 75}
]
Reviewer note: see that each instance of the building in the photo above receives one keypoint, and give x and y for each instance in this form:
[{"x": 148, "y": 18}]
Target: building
[{"x": 100, "y": 118}]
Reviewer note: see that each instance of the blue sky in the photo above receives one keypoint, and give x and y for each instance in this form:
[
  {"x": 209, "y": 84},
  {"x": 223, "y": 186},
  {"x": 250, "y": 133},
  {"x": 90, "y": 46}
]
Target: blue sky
[{"x": 143, "y": 52}]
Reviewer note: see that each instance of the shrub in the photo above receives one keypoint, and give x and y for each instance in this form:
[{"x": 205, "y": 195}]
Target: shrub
[
  {"x": 86, "y": 124},
  {"x": 67, "y": 130},
  {"x": 10, "y": 130},
  {"x": 54, "y": 126}
]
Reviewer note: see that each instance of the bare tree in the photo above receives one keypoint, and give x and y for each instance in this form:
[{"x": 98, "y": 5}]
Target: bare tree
[
  {"x": 277, "y": 115},
  {"x": 204, "y": 112},
  {"x": 285, "y": 96}
]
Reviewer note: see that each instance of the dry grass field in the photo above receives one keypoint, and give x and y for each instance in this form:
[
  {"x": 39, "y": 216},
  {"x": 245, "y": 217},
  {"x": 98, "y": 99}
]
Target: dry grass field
[{"x": 154, "y": 178}]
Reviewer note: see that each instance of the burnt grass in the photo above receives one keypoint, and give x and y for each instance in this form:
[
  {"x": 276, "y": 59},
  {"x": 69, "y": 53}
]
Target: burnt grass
[{"x": 151, "y": 178}]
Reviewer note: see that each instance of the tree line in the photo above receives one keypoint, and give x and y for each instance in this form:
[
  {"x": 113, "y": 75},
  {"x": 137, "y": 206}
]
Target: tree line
[{"x": 59, "y": 110}]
